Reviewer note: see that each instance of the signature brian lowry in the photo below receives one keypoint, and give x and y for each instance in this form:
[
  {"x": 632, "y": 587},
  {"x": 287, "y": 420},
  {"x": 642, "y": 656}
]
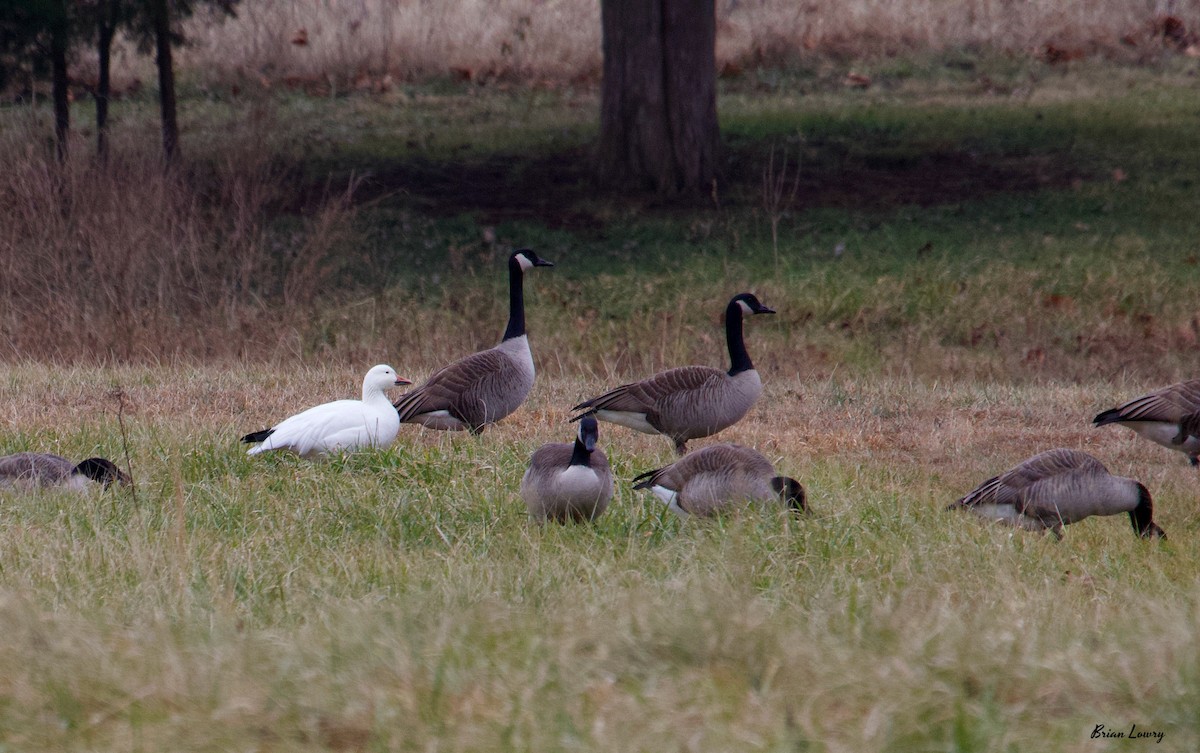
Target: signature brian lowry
[{"x": 1133, "y": 734}]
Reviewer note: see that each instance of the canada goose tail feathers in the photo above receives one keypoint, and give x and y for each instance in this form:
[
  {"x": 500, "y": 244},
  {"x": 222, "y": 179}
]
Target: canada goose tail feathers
[
  {"x": 421, "y": 400},
  {"x": 1111, "y": 416},
  {"x": 635, "y": 397},
  {"x": 258, "y": 436},
  {"x": 405, "y": 405},
  {"x": 647, "y": 479},
  {"x": 983, "y": 493}
]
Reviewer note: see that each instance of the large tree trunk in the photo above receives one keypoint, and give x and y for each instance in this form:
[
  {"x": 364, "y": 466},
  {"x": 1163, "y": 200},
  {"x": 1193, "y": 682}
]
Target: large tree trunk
[
  {"x": 166, "y": 79},
  {"x": 59, "y": 33},
  {"x": 658, "y": 108},
  {"x": 104, "y": 38}
]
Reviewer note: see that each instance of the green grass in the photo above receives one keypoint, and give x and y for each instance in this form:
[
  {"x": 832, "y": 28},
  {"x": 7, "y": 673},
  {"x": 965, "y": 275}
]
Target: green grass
[
  {"x": 400, "y": 599},
  {"x": 997, "y": 286}
]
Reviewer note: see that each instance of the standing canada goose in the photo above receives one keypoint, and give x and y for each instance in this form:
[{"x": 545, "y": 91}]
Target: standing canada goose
[
  {"x": 1058, "y": 487},
  {"x": 689, "y": 401},
  {"x": 340, "y": 426},
  {"x": 569, "y": 481},
  {"x": 486, "y": 386},
  {"x": 28, "y": 470},
  {"x": 1169, "y": 416},
  {"x": 718, "y": 478}
]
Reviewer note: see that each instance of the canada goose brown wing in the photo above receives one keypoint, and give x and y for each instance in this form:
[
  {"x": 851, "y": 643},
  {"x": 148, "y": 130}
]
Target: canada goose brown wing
[
  {"x": 35, "y": 467},
  {"x": 1168, "y": 404},
  {"x": 716, "y": 459},
  {"x": 1008, "y": 487},
  {"x": 1053, "y": 463},
  {"x": 1067, "y": 497},
  {"x": 461, "y": 388},
  {"x": 649, "y": 395},
  {"x": 726, "y": 456}
]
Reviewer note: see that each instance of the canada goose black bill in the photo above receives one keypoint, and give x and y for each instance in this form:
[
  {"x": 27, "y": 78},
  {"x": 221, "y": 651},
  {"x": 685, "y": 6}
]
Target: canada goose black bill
[
  {"x": 40, "y": 470},
  {"x": 569, "y": 482},
  {"x": 1169, "y": 416},
  {"x": 690, "y": 401},
  {"x": 486, "y": 386},
  {"x": 1059, "y": 487},
  {"x": 720, "y": 478}
]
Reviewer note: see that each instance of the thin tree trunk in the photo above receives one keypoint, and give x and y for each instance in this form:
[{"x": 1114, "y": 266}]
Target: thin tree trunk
[
  {"x": 58, "y": 65},
  {"x": 166, "y": 79},
  {"x": 104, "y": 39},
  {"x": 658, "y": 110}
]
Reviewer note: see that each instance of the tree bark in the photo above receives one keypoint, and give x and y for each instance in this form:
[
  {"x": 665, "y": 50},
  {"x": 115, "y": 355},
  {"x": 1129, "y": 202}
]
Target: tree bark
[
  {"x": 658, "y": 109},
  {"x": 59, "y": 32},
  {"x": 166, "y": 79},
  {"x": 106, "y": 29}
]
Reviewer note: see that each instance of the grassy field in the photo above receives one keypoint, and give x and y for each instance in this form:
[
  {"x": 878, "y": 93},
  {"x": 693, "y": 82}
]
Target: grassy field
[
  {"x": 401, "y": 600},
  {"x": 981, "y": 254}
]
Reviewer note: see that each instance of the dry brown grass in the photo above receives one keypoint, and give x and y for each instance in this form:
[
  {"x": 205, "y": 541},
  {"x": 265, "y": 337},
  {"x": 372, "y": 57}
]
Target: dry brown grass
[
  {"x": 131, "y": 261},
  {"x": 371, "y": 43}
]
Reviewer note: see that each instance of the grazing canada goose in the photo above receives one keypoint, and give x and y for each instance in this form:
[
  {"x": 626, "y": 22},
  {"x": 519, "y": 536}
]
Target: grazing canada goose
[
  {"x": 718, "y": 478},
  {"x": 1169, "y": 416},
  {"x": 569, "y": 481},
  {"x": 1058, "y": 487},
  {"x": 340, "y": 426},
  {"x": 486, "y": 386},
  {"x": 32, "y": 469},
  {"x": 689, "y": 401}
]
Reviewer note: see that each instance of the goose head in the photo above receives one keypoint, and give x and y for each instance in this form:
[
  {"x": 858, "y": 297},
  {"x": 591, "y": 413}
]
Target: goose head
[
  {"x": 101, "y": 470},
  {"x": 382, "y": 378},
  {"x": 1142, "y": 516},
  {"x": 748, "y": 303},
  {"x": 525, "y": 259},
  {"x": 791, "y": 492},
  {"x": 589, "y": 433}
]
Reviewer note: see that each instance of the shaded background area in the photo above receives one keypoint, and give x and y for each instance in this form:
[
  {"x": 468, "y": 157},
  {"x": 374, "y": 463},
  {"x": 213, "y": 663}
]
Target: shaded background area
[{"x": 1017, "y": 209}]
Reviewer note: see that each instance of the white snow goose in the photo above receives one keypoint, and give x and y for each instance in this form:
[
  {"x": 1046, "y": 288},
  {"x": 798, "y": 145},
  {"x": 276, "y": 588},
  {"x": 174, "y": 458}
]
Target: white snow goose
[{"x": 340, "y": 426}]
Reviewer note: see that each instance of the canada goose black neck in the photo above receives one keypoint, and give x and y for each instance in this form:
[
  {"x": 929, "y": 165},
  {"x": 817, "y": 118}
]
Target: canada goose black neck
[
  {"x": 516, "y": 299},
  {"x": 739, "y": 359},
  {"x": 581, "y": 455},
  {"x": 1142, "y": 516}
]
